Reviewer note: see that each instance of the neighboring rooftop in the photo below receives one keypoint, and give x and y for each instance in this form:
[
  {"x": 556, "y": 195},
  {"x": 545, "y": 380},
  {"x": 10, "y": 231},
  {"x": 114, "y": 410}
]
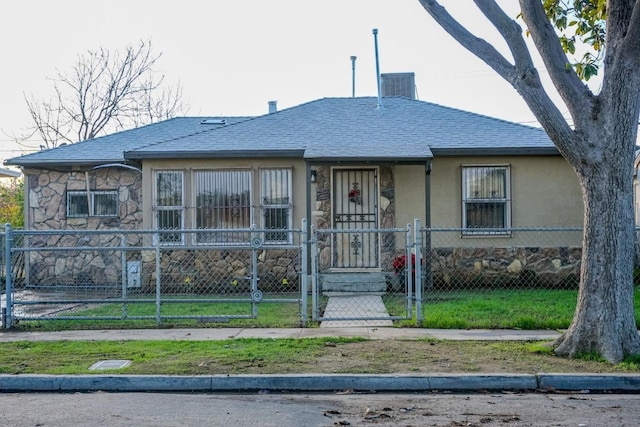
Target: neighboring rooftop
[{"x": 9, "y": 173}]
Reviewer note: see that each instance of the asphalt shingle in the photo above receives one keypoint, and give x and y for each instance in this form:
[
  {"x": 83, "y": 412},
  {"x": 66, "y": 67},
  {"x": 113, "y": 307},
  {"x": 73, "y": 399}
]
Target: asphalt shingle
[{"x": 324, "y": 129}]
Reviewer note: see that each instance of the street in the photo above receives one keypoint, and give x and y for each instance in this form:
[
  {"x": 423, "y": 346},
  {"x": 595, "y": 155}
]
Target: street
[{"x": 288, "y": 410}]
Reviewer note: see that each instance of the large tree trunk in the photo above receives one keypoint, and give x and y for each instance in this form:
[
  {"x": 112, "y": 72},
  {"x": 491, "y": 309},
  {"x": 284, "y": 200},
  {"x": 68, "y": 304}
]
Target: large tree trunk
[
  {"x": 604, "y": 320},
  {"x": 599, "y": 146}
]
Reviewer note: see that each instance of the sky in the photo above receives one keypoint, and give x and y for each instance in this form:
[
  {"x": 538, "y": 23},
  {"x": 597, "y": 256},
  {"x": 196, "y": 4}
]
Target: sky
[{"x": 234, "y": 56}]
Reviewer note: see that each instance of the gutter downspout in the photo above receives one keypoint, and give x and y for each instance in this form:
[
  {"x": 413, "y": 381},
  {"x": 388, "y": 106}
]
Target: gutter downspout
[
  {"x": 426, "y": 244},
  {"x": 88, "y": 185}
]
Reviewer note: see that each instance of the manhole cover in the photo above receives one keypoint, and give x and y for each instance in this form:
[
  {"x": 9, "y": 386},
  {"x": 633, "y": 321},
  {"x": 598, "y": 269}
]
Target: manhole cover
[{"x": 109, "y": 364}]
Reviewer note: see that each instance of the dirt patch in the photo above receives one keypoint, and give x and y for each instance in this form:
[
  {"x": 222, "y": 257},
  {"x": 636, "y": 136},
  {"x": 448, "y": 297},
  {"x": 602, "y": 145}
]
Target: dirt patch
[
  {"x": 418, "y": 357},
  {"x": 395, "y": 356}
]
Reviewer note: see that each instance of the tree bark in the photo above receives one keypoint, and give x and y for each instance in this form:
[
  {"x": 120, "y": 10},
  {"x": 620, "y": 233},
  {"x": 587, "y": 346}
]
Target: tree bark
[{"x": 600, "y": 147}]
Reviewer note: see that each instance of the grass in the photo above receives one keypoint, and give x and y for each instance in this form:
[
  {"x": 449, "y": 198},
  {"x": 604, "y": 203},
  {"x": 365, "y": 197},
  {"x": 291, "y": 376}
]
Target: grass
[
  {"x": 501, "y": 309},
  {"x": 295, "y": 356},
  {"x": 162, "y": 357},
  {"x": 495, "y": 309},
  {"x": 270, "y": 315}
]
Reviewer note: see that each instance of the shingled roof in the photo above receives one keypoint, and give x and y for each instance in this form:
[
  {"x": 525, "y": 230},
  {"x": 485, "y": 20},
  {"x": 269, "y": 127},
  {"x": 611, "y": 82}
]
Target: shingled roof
[
  {"x": 340, "y": 129},
  {"x": 111, "y": 148}
]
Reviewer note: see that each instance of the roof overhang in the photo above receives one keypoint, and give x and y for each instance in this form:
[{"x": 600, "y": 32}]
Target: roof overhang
[
  {"x": 140, "y": 155},
  {"x": 513, "y": 151}
]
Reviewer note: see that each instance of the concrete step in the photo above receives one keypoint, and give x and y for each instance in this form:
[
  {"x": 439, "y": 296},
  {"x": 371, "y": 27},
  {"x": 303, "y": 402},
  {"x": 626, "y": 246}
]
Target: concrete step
[{"x": 353, "y": 282}]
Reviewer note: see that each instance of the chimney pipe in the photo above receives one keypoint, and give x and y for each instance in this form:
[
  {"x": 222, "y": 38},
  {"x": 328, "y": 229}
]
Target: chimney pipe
[
  {"x": 375, "y": 40},
  {"x": 273, "y": 106},
  {"x": 353, "y": 76}
]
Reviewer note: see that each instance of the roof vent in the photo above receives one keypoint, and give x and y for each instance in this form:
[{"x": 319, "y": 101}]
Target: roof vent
[
  {"x": 399, "y": 84},
  {"x": 273, "y": 106},
  {"x": 214, "y": 122}
]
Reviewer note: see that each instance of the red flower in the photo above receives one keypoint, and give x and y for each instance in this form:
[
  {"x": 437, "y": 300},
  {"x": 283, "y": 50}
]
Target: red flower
[{"x": 400, "y": 263}]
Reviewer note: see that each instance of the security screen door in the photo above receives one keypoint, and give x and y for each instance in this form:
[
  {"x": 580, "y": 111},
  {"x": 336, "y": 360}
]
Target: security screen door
[{"x": 355, "y": 218}]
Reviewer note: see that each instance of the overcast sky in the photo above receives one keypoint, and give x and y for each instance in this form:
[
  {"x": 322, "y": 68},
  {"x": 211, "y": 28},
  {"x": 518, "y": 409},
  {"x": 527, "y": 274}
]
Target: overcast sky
[{"x": 233, "y": 56}]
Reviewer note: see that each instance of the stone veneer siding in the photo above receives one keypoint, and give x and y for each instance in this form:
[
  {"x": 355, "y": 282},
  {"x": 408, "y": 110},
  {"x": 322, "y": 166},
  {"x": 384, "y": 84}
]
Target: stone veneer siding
[
  {"x": 47, "y": 197},
  {"x": 526, "y": 267}
]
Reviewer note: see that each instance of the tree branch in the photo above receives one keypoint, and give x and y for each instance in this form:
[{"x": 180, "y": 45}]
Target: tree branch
[
  {"x": 475, "y": 45},
  {"x": 522, "y": 76},
  {"x": 573, "y": 91}
]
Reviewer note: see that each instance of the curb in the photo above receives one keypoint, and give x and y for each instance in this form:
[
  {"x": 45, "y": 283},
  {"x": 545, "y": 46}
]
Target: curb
[{"x": 320, "y": 383}]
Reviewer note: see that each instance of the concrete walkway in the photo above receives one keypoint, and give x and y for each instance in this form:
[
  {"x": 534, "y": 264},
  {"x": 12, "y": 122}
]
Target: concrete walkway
[
  {"x": 350, "y": 308},
  {"x": 113, "y": 381}
]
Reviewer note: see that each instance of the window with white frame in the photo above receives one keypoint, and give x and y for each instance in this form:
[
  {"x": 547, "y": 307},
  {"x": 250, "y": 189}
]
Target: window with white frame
[
  {"x": 102, "y": 203},
  {"x": 275, "y": 204},
  {"x": 169, "y": 205},
  {"x": 486, "y": 199},
  {"x": 222, "y": 201}
]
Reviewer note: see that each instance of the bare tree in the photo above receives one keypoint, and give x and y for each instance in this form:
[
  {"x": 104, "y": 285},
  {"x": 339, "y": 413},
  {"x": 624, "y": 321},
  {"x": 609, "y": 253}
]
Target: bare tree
[
  {"x": 104, "y": 92},
  {"x": 599, "y": 146}
]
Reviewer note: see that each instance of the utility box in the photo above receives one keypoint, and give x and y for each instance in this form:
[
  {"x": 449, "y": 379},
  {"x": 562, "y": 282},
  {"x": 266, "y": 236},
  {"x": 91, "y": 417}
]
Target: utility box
[{"x": 133, "y": 274}]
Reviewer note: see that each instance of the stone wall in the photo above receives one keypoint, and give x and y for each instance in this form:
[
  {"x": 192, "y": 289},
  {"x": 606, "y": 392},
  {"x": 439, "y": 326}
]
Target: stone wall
[
  {"x": 526, "y": 267},
  {"x": 212, "y": 270},
  {"x": 47, "y": 198}
]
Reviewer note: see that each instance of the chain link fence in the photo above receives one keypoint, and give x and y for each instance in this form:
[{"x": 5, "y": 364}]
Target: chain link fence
[
  {"x": 136, "y": 278},
  {"x": 150, "y": 278},
  {"x": 514, "y": 259}
]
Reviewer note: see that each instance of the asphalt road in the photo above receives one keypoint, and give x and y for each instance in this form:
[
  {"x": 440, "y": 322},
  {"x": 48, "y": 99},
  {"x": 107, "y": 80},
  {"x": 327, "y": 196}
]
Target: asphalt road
[{"x": 309, "y": 410}]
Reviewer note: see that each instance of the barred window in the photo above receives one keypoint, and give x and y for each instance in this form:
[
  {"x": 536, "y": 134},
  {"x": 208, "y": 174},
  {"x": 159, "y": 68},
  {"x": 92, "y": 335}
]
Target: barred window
[
  {"x": 169, "y": 205},
  {"x": 223, "y": 201},
  {"x": 103, "y": 203},
  {"x": 275, "y": 204},
  {"x": 486, "y": 198}
]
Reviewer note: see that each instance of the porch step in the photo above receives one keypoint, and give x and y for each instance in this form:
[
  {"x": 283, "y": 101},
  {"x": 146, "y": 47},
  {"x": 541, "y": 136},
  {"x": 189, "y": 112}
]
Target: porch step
[{"x": 353, "y": 282}]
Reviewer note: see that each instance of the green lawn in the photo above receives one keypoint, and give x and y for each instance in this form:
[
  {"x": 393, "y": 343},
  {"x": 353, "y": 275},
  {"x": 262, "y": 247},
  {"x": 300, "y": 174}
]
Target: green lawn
[{"x": 499, "y": 309}]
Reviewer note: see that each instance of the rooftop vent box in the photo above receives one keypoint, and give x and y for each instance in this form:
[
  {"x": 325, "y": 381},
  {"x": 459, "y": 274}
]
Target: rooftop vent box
[
  {"x": 219, "y": 122},
  {"x": 399, "y": 84}
]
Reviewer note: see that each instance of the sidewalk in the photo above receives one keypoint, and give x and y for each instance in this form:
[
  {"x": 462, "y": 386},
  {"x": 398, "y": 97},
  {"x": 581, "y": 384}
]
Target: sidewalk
[
  {"x": 328, "y": 383},
  {"x": 203, "y": 334}
]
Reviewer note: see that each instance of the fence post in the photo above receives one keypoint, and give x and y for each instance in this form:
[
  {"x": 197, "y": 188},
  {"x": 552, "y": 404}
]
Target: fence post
[
  {"x": 314, "y": 274},
  {"x": 123, "y": 275},
  {"x": 7, "y": 317},
  {"x": 304, "y": 241},
  {"x": 158, "y": 280},
  {"x": 417, "y": 236},
  {"x": 408, "y": 270}
]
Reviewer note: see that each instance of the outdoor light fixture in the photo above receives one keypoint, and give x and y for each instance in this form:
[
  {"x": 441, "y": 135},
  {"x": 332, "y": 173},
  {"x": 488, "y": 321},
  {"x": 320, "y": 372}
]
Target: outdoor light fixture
[{"x": 314, "y": 176}]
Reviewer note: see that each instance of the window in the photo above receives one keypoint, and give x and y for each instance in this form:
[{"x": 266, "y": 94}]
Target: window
[
  {"x": 103, "y": 203},
  {"x": 169, "y": 205},
  {"x": 275, "y": 197},
  {"x": 223, "y": 201},
  {"x": 486, "y": 199}
]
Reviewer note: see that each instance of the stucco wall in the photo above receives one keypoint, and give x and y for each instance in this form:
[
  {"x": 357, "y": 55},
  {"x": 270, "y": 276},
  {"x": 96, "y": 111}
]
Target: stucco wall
[{"x": 544, "y": 190}]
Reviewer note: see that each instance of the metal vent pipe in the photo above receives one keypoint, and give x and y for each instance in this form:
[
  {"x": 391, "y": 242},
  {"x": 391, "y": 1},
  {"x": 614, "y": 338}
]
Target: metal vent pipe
[
  {"x": 353, "y": 76},
  {"x": 375, "y": 41}
]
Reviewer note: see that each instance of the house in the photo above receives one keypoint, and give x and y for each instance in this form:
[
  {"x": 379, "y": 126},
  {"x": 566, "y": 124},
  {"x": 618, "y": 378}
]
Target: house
[
  {"x": 342, "y": 163},
  {"x": 8, "y": 176}
]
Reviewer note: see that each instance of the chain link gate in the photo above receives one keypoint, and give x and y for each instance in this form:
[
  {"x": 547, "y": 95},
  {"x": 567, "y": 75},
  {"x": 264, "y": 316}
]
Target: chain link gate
[
  {"x": 374, "y": 296},
  {"x": 133, "y": 276}
]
